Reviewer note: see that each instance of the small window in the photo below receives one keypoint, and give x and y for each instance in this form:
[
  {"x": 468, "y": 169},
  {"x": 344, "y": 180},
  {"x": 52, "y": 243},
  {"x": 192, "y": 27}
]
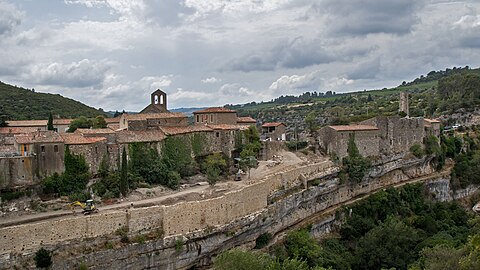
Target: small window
[
  {"x": 211, "y": 118},
  {"x": 55, "y": 148},
  {"x": 217, "y": 134},
  {"x": 198, "y": 118},
  {"x": 96, "y": 150},
  {"x": 43, "y": 148}
]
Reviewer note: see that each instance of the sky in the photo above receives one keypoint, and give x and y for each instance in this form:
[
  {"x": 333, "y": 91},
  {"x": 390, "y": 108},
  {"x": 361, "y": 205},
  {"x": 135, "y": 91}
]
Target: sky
[{"x": 112, "y": 54}]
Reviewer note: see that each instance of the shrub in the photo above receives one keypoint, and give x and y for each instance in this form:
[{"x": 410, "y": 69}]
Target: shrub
[
  {"x": 417, "y": 150},
  {"x": 43, "y": 258},
  {"x": 179, "y": 243},
  {"x": 263, "y": 240}
]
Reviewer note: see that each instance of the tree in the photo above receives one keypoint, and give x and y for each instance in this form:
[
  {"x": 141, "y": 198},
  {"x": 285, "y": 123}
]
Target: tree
[
  {"x": 50, "y": 122},
  {"x": 124, "y": 174},
  {"x": 3, "y": 121},
  {"x": 311, "y": 122},
  {"x": 81, "y": 122},
  {"x": 214, "y": 164},
  {"x": 355, "y": 166},
  {"x": 103, "y": 169},
  {"x": 42, "y": 258},
  {"x": 99, "y": 122},
  {"x": 370, "y": 98}
]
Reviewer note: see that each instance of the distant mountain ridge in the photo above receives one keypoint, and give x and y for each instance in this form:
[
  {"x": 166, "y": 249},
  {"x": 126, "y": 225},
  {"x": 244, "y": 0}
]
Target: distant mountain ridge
[{"x": 18, "y": 103}]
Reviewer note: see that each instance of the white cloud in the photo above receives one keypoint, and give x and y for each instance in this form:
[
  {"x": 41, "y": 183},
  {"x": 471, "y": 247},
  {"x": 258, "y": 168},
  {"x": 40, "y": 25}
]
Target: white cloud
[
  {"x": 211, "y": 80},
  {"x": 84, "y": 73},
  {"x": 10, "y": 17},
  {"x": 309, "y": 81}
]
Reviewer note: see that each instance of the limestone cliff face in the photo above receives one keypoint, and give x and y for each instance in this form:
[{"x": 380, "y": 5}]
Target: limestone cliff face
[{"x": 299, "y": 205}]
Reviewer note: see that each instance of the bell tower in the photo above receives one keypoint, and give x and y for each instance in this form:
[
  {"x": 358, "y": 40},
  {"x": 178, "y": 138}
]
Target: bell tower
[{"x": 158, "y": 102}]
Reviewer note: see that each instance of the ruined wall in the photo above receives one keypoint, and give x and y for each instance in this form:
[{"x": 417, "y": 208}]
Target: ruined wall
[
  {"x": 397, "y": 134},
  {"x": 16, "y": 171},
  {"x": 336, "y": 142},
  {"x": 271, "y": 148}
]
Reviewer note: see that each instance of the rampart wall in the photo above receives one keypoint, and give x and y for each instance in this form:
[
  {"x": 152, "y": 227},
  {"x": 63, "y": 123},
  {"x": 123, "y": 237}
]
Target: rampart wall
[
  {"x": 16, "y": 171},
  {"x": 181, "y": 218}
]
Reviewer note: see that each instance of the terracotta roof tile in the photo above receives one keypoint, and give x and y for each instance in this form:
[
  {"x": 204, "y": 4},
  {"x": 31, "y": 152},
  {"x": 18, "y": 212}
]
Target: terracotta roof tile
[
  {"x": 273, "y": 124},
  {"x": 246, "y": 119},
  {"x": 113, "y": 126},
  {"x": 62, "y": 121},
  {"x": 128, "y": 136},
  {"x": 215, "y": 110},
  {"x": 76, "y": 138},
  {"x": 184, "y": 130},
  {"x": 95, "y": 131},
  {"x": 17, "y": 130},
  {"x": 353, "y": 128},
  {"x": 227, "y": 127},
  {"x": 113, "y": 120},
  {"x": 145, "y": 116},
  {"x": 27, "y": 123},
  {"x": 39, "y": 137}
]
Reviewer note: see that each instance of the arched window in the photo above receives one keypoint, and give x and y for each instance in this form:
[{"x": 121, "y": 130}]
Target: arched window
[
  {"x": 162, "y": 100},
  {"x": 155, "y": 99}
]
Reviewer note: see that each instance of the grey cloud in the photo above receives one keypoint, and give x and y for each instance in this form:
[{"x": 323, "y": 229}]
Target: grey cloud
[
  {"x": 298, "y": 53},
  {"x": 362, "y": 17},
  {"x": 365, "y": 70},
  {"x": 10, "y": 17}
]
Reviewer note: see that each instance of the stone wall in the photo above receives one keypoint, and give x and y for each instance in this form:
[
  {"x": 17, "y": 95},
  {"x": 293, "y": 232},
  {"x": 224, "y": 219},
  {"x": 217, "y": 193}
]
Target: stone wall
[
  {"x": 93, "y": 154},
  {"x": 397, "y": 134},
  {"x": 16, "y": 172},
  {"x": 333, "y": 141},
  {"x": 181, "y": 218}
]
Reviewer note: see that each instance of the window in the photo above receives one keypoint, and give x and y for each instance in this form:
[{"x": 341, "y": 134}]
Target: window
[
  {"x": 198, "y": 118},
  {"x": 217, "y": 134},
  {"x": 96, "y": 150},
  {"x": 55, "y": 148},
  {"x": 211, "y": 118},
  {"x": 43, "y": 148}
]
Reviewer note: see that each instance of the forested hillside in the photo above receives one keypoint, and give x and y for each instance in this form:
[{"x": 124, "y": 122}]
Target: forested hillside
[
  {"x": 437, "y": 93},
  {"x": 23, "y": 104}
]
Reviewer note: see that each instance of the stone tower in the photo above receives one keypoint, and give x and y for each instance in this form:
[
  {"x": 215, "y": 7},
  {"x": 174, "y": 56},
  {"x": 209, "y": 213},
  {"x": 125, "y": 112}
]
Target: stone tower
[
  {"x": 404, "y": 103},
  {"x": 158, "y": 103}
]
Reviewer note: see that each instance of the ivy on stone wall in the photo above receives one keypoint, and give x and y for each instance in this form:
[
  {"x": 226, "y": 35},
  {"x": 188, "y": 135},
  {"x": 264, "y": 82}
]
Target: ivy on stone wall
[
  {"x": 72, "y": 181},
  {"x": 198, "y": 142},
  {"x": 354, "y": 165},
  {"x": 177, "y": 155}
]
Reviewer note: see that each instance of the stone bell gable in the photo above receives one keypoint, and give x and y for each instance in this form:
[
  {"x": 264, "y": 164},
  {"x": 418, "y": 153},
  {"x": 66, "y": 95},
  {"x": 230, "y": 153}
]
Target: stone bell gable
[{"x": 158, "y": 103}]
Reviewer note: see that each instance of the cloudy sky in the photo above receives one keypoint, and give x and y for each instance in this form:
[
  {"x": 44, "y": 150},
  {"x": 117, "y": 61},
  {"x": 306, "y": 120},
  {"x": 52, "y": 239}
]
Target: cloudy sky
[{"x": 113, "y": 53}]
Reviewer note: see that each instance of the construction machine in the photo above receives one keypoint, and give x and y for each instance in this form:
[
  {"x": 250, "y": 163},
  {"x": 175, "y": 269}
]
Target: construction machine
[{"x": 88, "y": 207}]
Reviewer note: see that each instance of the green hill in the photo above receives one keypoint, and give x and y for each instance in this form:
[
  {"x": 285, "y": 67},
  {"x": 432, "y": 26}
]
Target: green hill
[{"x": 23, "y": 104}]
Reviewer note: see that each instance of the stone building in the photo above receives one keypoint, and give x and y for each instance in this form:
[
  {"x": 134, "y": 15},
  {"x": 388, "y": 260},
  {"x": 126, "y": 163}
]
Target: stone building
[
  {"x": 46, "y": 147},
  {"x": 93, "y": 149},
  {"x": 158, "y": 103},
  {"x": 246, "y": 121},
  {"x": 334, "y": 139},
  {"x": 432, "y": 127},
  {"x": 61, "y": 125},
  {"x": 37, "y": 124},
  {"x": 397, "y": 134},
  {"x": 274, "y": 131},
  {"x": 147, "y": 121},
  {"x": 215, "y": 116}
]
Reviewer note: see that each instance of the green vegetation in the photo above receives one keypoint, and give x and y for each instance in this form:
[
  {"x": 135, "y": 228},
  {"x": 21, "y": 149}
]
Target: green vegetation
[
  {"x": 124, "y": 174},
  {"x": 214, "y": 165},
  {"x": 8, "y": 195},
  {"x": 43, "y": 258},
  {"x": 84, "y": 122},
  {"x": 50, "y": 122},
  {"x": 73, "y": 181},
  {"x": 179, "y": 244},
  {"x": 22, "y": 104},
  {"x": 391, "y": 229},
  {"x": 354, "y": 165},
  {"x": 263, "y": 240},
  {"x": 417, "y": 150}
]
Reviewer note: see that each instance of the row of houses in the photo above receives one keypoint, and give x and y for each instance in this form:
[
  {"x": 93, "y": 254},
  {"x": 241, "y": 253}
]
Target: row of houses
[{"x": 29, "y": 152}]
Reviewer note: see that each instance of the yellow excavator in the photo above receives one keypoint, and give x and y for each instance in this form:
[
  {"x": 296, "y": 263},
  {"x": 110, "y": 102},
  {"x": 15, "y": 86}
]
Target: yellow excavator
[{"x": 88, "y": 207}]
